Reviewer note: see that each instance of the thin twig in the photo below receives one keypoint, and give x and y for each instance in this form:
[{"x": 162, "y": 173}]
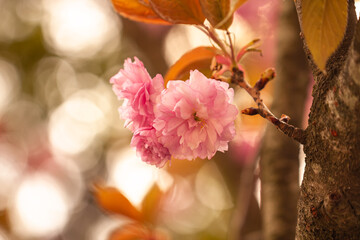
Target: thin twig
[
  {"x": 288, "y": 129},
  {"x": 231, "y": 48},
  {"x": 212, "y": 34}
]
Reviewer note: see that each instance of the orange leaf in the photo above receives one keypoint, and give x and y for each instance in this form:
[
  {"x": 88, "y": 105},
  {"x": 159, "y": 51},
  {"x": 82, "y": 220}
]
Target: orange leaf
[
  {"x": 234, "y": 5},
  {"x": 215, "y": 11},
  {"x": 179, "y": 11},
  {"x": 324, "y": 24},
  {"x": 196, "y": 58},
  {"x": 137, "y": 10},
  {"x": 151, "y": 203},
  {"x": 112, "y": 200},
  {"x": 185, "y": 168},
  {"x": 4, "y": 220}
]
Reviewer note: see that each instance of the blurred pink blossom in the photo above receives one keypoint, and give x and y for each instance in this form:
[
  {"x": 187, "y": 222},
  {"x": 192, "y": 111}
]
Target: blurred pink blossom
[
  {"x": 139, "y": 91},
  {"x": 148, "y": 147},
  {"x": 196, "y": 118}
]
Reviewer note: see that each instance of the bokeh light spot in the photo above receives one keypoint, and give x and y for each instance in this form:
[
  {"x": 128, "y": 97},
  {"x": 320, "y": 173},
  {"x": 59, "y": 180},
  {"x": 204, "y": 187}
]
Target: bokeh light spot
[
  {"x": 357, "y": 7},
  {"x": 9, "y": 83},
  {"x": 79, "y": 27},
  {"x": 211, "y": 189},
  {"x": 12, "y": 164},
  {"x": 40, "y": 207},
  {"x": 132, "y": 176},
  {"x": 76, "y": 123}
]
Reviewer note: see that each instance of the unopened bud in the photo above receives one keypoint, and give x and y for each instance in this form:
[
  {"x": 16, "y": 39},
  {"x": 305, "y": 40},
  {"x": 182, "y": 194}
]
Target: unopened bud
[
  {"x": 214, "y": 66},
  {"x": 266, "y": 76},
  {"x": 250, "y": 111}
]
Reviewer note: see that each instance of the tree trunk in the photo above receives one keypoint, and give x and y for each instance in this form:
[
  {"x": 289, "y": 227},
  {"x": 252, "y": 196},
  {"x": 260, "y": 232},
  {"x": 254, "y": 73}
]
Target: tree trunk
[
  {"x": 329, "y": 204},
  {"x": 279, "y": 162}
]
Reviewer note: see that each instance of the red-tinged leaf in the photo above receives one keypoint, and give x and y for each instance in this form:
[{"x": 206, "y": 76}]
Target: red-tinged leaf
[
  {"x": 179, "y": 11},
  {"x": 247, "y": 48},
  {"x": 151, "y": 204},
  {"x": 132, "y": 231},
  {"x": 137, "y": 10},
  {"x": 324, "y": 24},
  {"x": 215, "y": 11},
  {"x": 112, "y": 200},
  {"x": 221, "y": 59},
  {"x": 234, "y": 5},
  {"x": 196, "y": 58}
]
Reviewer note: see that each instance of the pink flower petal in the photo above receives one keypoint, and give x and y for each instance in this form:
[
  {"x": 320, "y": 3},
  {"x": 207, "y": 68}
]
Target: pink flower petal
[
  {"x": 140, "y": 94},
  {"x": 195, "y": 118}
]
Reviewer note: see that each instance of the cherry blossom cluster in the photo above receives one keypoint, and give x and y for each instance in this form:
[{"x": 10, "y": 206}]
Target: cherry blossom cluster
[{"x": 186, "y": 120}]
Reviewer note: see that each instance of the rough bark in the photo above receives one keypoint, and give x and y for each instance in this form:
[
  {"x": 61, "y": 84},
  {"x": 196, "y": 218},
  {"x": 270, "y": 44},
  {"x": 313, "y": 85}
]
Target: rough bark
[
  {"x": 329, "y": 204},
  {"x": 280, "y": 156}
]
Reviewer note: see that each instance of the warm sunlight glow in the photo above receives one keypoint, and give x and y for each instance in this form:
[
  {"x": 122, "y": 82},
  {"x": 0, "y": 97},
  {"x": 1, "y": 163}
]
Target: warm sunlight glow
[
  {"x": 191, "y": 220},
  {"x": 180, "y": 195},
  {"x": 75, "y": 124},
  {"x": 103, "y": 227},
  {"x": 78, "y": 27},
  {"x": 40, "y": 208},
  {"x": 9, "y": 83},
  {"x": 211, "y": 188},
  {"x": 132, "y": 176},
  {"x": 357, "y": 6},
  {"x": 83, "y": 109},
  {"x": 3, "y": 236},
  {"x": 182, "y": 38},
  {"x": 184, "y": 214},
  {"x": 12, "y": 164}
]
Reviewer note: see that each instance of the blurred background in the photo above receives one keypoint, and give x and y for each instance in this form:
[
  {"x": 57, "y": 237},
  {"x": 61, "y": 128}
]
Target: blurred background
[{"x": 60, "y": 131}]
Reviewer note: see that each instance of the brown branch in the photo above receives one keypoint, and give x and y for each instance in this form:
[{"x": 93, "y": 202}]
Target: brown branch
[{"x": 291, "y": 131}]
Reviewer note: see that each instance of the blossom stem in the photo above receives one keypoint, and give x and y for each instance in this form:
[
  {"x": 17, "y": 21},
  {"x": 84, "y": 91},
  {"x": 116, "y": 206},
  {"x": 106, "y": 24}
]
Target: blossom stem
[
  {"x": 233, "y": 60},
  {"x": 295, "y": 133},
  {"x": 213, "y": 36}
]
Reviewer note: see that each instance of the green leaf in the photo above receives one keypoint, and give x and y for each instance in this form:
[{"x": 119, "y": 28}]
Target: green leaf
[
  {"x": 215, "y": 11},
  {"x": 324, "y": 24},
  {"x": 179, "y": 11}
]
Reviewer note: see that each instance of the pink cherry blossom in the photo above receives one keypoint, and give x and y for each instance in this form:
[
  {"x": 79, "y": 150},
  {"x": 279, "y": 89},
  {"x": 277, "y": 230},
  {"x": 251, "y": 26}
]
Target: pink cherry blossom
[
  {"x": 148, "y": 147},
  {"x": 196, "y": 118},
  {"x": 139, "y": 91}
]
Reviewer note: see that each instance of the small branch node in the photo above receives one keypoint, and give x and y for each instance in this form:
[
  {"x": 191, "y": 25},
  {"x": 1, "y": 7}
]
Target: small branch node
[
  {"x": 282, "y": 123},
  {"x": 285, "y": 118},
  {"x": 238, "y": 76}
]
